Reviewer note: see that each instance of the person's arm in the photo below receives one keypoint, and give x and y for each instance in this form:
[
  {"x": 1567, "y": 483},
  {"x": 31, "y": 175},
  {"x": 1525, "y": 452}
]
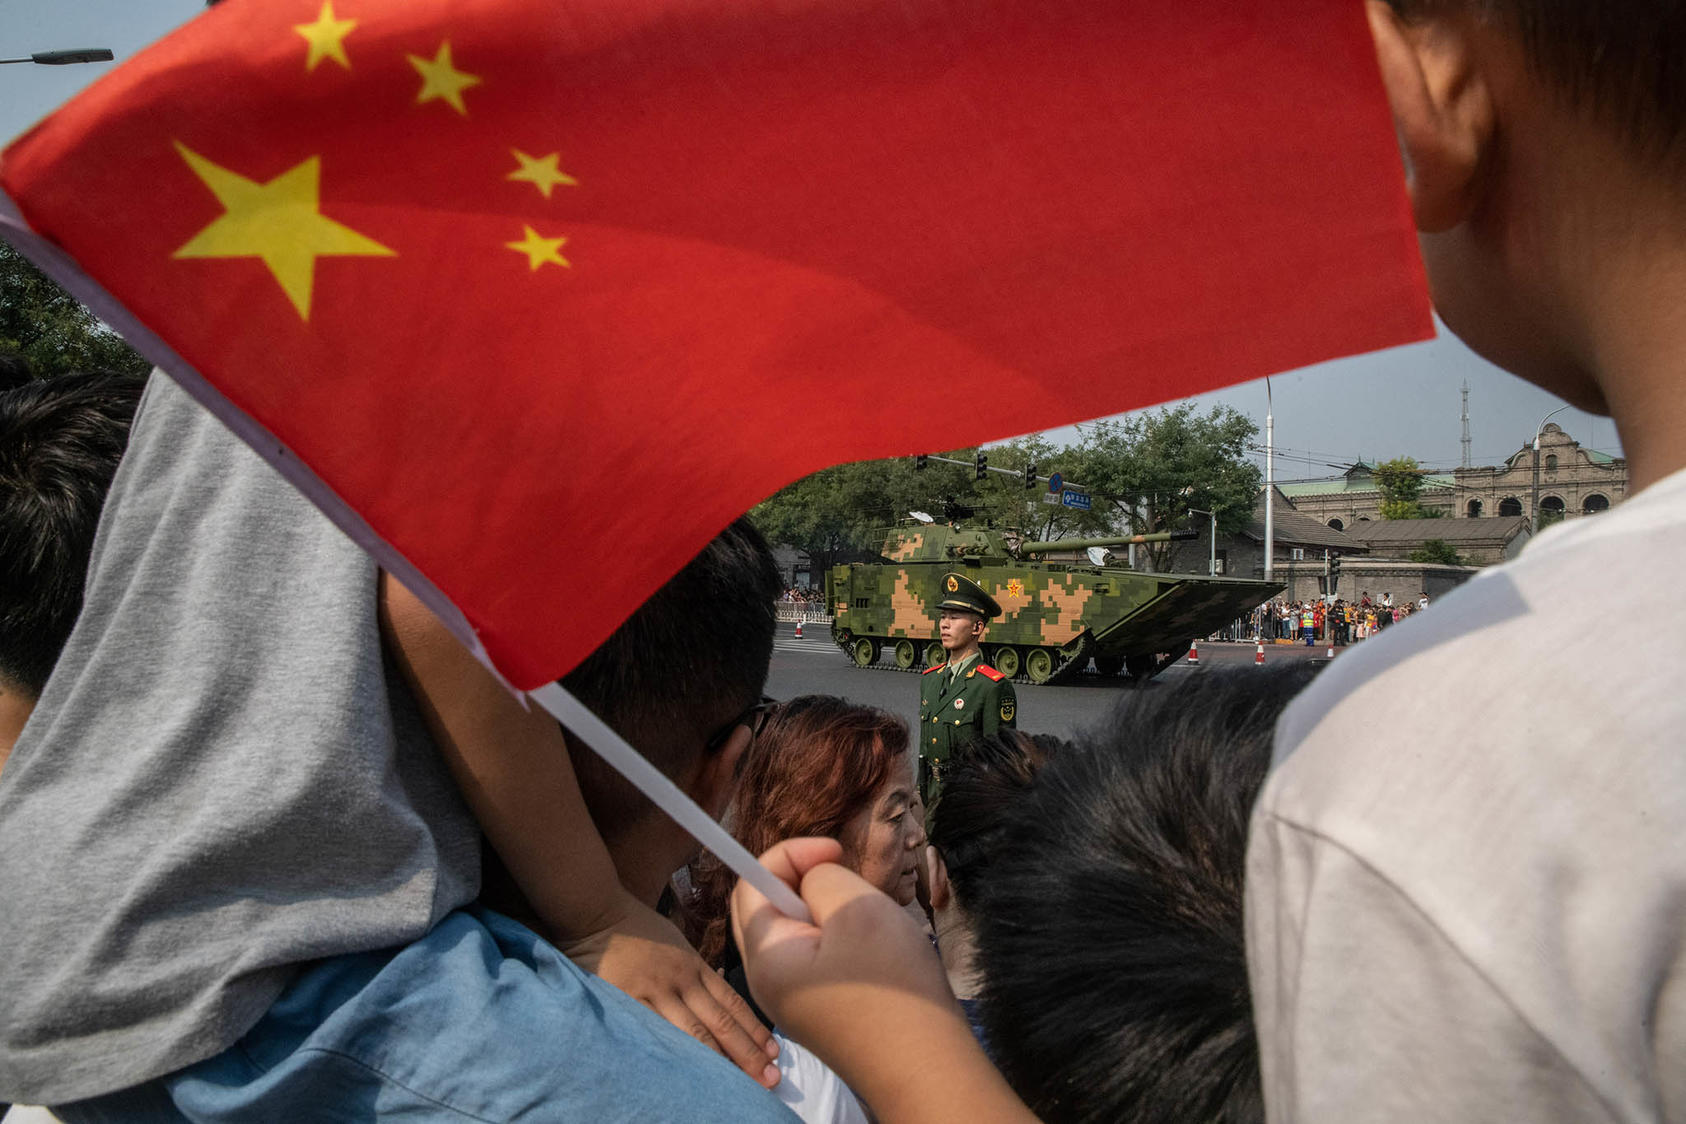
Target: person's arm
[
  {"x": 512, "y": 767},
  {"x": 862, "y": 988}
]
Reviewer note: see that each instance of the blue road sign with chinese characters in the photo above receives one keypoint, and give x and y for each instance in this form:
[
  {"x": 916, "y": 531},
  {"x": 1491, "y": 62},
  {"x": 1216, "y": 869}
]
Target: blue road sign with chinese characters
[{"x": 1079, "y": 500}]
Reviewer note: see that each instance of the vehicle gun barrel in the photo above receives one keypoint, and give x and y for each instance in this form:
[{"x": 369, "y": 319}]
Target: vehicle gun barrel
[{"x": 1113, "y": 540}]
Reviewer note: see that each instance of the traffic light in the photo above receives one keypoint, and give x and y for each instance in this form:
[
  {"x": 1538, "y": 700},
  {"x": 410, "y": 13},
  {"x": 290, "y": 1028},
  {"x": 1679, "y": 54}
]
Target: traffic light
[
  {"x": 1030, "y": 475},
  {"x": 980, "y": 466},
  {"x": 1334, "y": 569},
  {"x": 919, "y": 463}
]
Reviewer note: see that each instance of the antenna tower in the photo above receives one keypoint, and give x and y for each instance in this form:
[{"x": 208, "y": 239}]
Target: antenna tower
[{"x": 1466, "y": 425}]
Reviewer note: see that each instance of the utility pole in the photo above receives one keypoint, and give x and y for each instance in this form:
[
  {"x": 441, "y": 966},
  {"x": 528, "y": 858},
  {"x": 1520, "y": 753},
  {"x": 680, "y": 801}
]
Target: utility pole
[
  {"x": 1212, "y": 559},
  {"x": 1270, "y": 483},
  {"x": 1537, "y": 432},
  {"x": 1466, "y": 425}
]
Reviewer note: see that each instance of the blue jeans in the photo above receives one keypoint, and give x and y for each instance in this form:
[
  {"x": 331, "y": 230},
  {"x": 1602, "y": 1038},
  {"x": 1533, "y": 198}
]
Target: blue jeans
[{"x": 481, "y": 1020}]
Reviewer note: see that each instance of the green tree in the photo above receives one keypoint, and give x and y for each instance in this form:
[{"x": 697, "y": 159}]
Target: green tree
[
  {"x": 1400, "y": 482},
  {"x": 1438, "y": 550},
  {"x": 1004, "y": 501},
  {"x": 1154, "y": 467},
  {"x": 50, "y": 329}
]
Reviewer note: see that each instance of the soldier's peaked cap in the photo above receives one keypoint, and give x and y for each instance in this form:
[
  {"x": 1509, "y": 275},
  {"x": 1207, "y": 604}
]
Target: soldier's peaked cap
[{"x": 961, "y": 592}]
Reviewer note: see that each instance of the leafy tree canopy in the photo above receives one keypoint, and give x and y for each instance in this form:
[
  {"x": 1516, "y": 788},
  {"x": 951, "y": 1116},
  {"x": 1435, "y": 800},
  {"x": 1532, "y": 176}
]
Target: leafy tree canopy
[
  {"x": 1144, "y": 472},
  {"x": 1400, "y": 482},
  {"x": 50, "y": 329},
  {"x": 1438, "y": 550}
]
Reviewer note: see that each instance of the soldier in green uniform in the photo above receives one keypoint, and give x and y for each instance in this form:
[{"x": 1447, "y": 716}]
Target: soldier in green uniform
[{"x": 964, "y": 697}]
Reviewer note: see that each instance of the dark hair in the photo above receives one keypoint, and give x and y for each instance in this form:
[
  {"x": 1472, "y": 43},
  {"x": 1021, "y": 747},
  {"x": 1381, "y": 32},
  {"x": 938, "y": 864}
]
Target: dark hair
[
  {"x": 14, "y": 370},
  {"x": 817, "y": 762},
  {"x": 985, "y": 782},
  {"x": 698, "y": 647},
  {"x": 60, "y": 441},
  {"x": 1109, "y": 930},
  {"x": 1624, "y": 60}
]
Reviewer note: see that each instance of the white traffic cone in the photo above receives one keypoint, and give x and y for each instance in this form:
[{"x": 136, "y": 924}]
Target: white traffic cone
[
  {"x": 1331, "y": 654},
  {"x": 1258, "y": 656},
  {"x": 1194, "y": 653},
  {"x": 798, "y": 630}
]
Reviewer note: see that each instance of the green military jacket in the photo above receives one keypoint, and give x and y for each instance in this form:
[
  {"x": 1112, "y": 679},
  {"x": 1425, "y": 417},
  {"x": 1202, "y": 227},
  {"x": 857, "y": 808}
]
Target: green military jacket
[{"x": 956, "y": 708}]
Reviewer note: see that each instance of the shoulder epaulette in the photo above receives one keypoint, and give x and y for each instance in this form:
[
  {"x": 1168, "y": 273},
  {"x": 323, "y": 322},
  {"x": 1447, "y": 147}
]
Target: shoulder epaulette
[
  {"x": 938, "y": 667},
  {"x": 989, "y": 672}
]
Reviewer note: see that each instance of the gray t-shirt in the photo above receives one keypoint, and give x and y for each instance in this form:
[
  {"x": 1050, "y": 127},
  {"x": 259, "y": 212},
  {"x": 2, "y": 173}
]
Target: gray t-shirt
[
  {"x": 1466, "y": 879},
  {"x": 223, "y": 777}
]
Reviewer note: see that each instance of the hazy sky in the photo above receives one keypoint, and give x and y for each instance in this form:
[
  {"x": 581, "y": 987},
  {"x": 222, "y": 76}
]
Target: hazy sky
[{"x": 1399, "y": 402}]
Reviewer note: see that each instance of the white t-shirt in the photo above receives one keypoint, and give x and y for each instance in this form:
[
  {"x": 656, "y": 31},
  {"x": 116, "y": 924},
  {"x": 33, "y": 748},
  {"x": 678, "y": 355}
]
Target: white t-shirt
[
  {"x": 810, "y": 1089},
  {"x": 1466, "y": 880}
]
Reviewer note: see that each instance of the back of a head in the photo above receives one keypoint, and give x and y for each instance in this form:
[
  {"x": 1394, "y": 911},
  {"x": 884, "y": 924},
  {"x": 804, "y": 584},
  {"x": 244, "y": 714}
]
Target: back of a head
[
  {"x": 701, "y": 644},
  {"x": 60, "y": 441},
  {"x": 1110, "y": 929},
  {"x": 1623, "y": 61},
  {"x": 970, "y": 823}
]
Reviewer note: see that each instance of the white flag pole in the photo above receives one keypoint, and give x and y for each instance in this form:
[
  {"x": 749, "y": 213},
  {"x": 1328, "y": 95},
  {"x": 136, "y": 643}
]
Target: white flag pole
[{"x": 667, "y": 796}]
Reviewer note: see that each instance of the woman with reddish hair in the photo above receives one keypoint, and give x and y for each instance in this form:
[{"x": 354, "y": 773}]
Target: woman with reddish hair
[{"x": 821, "y": 766}]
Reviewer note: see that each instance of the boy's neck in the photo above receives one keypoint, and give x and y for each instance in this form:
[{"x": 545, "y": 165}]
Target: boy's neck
[
  {"x": 1613, "y": 263},
  {"x": 15, "y": 709}
]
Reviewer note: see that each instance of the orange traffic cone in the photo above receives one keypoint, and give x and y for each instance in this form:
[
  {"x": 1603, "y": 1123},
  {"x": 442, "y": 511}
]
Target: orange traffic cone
[
  {"x": 1331, "y": 654},
  {"x": 1194, "y": 653},
  {"x": 798, "y": 630},
  {"x": 1258, "y": 656}
]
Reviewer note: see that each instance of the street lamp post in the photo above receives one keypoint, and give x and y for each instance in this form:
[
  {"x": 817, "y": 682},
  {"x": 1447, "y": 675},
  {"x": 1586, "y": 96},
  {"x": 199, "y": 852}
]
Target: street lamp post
[
  {"x": 1212, "y": 561},
  {"x": 1537, "y": 432},
  {"x": 63, "y": 58}
]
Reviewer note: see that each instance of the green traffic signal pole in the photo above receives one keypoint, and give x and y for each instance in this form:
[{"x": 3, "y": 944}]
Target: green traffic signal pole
[{"x": 62, "y": 58}]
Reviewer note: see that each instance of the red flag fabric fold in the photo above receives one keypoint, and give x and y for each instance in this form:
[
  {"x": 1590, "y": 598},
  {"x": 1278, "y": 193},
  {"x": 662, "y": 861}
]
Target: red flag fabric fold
[{"x": 548, "y": 293}]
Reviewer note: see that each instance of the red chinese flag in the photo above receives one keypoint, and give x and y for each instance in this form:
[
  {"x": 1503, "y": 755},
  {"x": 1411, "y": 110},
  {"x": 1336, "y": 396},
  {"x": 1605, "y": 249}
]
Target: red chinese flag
[{"x": 541, "y": 294}]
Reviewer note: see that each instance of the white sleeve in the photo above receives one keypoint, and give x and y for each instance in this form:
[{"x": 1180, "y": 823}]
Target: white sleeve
[
  {"x": 1366, "y": 1012},
  {"x": 810, "y": 1089}
]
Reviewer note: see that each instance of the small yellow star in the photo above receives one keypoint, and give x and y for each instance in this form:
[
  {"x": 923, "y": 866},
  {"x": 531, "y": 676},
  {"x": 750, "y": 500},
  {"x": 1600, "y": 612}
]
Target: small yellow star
[
  {"x": 442, "y": 80},
  {"x": 326, "y": 37},
  {"x": 541, "y": 172},
  {"x": 539, "y": 251},
  {"x": 278, "y": 221}
]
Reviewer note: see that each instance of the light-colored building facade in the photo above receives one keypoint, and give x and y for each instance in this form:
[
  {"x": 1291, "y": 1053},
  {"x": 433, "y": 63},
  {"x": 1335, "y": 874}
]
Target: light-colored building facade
[{"x": 1574, "y": 481}]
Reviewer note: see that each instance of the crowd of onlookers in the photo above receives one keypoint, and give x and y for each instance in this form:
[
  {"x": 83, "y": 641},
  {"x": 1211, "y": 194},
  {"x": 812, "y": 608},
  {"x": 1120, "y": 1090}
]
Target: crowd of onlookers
[
  {"x": 802, "y": 595},
  {"x": 1335, "y": 621}
]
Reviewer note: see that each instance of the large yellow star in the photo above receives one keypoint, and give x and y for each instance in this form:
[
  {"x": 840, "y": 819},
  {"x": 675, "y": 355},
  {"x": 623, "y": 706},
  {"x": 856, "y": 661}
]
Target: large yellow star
[
  {"x": 540, "y": 251},
  {"x": 326, "y": 37},
  {"x": 278, "y": 221},
  {"x": 442, "y": 80},
  {"x": 541, "y": 172}
]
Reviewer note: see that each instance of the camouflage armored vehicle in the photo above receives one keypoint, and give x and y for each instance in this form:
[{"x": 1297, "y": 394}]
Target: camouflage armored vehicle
[{"x": 1056, "y": 616}]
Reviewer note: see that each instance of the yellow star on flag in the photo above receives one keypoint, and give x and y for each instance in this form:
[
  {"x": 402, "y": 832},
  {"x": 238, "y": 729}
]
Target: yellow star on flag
[
  {"x": 541, "y": 172},
  {"x": 278, "y": 221},
  {"x": 441, "y": 79},
  {"x": 326, "y": 37},
  {"x": 540, "y": 251}
]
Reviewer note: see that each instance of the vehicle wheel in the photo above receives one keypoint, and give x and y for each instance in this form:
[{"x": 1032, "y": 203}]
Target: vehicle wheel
[
  {"x": 865, "y": 652},
  {"x": 934, "y": 654},
  {"x": 906, "y": 654},
  {"x": 1039, "y": 665},
  {"x": 1109, "y": 665},
  {"x": 1007, "y": 661}
]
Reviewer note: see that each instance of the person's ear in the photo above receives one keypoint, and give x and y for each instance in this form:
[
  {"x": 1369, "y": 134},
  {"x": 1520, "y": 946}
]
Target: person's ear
[
  {"x": 1443, "y": 110},
  {"x": 716, "y": 777},
  {"x": 936, "y": 879}
]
